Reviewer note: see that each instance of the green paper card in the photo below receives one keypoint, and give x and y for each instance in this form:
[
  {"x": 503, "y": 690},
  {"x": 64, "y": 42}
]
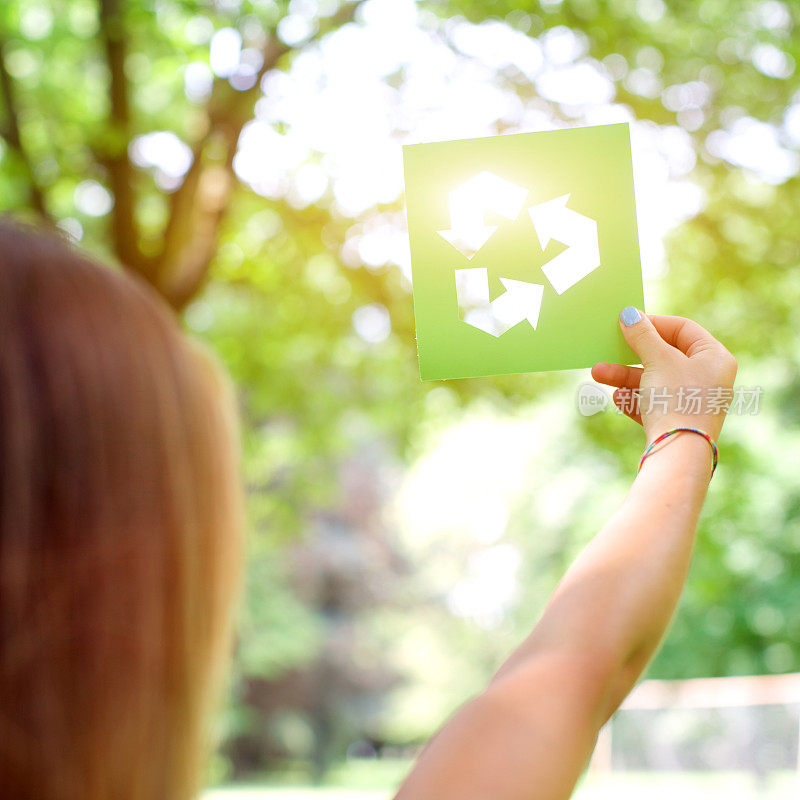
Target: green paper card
[{"x": 523, "y": 249}]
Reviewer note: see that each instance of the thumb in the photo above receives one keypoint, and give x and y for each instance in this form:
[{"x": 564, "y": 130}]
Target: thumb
[{"x": 641, "y": 335}]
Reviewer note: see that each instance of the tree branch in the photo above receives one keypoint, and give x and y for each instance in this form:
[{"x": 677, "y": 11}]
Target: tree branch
[
  {"x": 11, "y": 133},
  {"x": 189, "y": 269},
  {"x": 190, "y": 238},
  {"x": 222, "y": 115},
  {"x": 115, "y": 156}
]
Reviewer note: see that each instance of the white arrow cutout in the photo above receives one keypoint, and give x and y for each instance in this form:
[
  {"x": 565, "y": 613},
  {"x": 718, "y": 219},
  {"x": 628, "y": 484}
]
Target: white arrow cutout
[
  {"x": 468, "y": 205},
  {"x": 520, "y": 301},
  {"x": 553, "y": 220}
]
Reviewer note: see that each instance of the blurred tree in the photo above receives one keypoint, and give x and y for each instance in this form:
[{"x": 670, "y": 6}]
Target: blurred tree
[
  {"x": 134, "y": 54},
  {"x": 720, "y": 74}
]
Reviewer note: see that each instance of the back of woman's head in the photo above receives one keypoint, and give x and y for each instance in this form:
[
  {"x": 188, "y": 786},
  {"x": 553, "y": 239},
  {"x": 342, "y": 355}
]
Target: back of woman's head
[{"x": 119, "y": 532}]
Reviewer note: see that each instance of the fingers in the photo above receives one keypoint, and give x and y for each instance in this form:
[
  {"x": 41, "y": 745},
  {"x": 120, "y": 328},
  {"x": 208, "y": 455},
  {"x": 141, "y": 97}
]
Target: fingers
[
  {"x": 642, "y": 336},
  {"x": 617, "y": 375},
  {"x": 622, "y": 400},
  {"x": 685, "y": 334}
]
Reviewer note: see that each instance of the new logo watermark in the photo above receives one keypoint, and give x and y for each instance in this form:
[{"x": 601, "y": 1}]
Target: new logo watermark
[{"x": 591, "y": 399}]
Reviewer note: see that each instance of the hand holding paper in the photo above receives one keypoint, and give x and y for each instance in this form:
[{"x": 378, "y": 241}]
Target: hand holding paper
[{"x": 678, "y": 356}]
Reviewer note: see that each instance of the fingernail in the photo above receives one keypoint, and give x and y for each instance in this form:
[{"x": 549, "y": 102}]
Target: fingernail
[{"x": 630, "y": 315}]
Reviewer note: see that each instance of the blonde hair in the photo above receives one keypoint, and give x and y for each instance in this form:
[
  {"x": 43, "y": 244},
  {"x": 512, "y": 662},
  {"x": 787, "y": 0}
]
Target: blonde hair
[{"x": 120, "y": 532}]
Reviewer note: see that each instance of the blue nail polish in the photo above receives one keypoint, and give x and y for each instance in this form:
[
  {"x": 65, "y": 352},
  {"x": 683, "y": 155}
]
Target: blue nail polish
[{"x": 630, "y": 315}]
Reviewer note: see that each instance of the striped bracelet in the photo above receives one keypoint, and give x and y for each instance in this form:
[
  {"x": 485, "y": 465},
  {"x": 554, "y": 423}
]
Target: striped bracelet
[{"x": 659, "y": 439}]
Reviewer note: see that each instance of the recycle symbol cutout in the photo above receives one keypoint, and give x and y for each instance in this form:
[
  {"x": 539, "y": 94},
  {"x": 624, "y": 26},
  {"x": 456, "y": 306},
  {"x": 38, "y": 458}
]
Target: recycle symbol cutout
[{"x": 521, "y": 300}]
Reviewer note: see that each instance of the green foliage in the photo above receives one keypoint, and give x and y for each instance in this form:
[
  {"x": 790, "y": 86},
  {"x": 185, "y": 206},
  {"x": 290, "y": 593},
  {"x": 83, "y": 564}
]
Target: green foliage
[{"x": 337, "y": 599}]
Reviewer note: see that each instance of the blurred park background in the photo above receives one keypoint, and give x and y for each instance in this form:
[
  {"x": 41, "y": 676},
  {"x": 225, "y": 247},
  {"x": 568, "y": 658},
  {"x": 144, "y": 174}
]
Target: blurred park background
[{"x": 244, "y": 157}]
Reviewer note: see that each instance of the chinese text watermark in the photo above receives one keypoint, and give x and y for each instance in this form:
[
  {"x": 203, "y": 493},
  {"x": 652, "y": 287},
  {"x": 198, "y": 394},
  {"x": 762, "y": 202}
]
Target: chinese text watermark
[{"x": 690, "y": 400}]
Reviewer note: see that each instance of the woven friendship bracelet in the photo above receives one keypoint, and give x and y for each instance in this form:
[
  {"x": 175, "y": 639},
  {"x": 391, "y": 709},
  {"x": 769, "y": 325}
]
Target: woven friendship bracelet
[{"x": 659, "y": 439}]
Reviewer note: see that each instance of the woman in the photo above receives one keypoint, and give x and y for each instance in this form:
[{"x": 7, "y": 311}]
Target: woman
[
  {"x": 529, "y": 735},
  {"x": 119, "y": 533},
  {"x": 120, "y": 552}
]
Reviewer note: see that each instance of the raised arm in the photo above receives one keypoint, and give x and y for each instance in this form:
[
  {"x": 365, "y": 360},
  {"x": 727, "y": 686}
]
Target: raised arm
[{"x": 530, "y": 733}]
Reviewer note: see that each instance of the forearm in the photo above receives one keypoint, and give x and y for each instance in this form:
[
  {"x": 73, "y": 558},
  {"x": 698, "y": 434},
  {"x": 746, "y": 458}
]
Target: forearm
[
  {"x": 536, "y": 724},
  {"x": 618, "y": 597}
]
